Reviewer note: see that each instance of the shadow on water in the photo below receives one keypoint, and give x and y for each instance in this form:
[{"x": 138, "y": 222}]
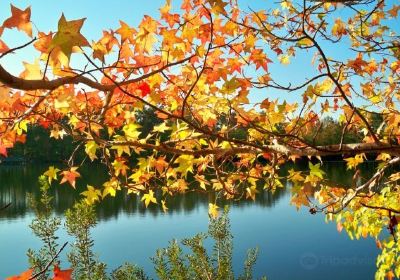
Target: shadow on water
[{"x": 17, "y": 181}]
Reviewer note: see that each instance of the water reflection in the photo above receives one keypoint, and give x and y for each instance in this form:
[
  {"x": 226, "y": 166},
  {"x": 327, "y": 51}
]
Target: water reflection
[
  {"x": 129, "y": 232},
  {"x": 17, "y": 181}
]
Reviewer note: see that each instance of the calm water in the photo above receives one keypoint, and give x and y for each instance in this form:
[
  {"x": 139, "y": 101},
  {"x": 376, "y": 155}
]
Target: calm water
[{"x": 293, "y": 244}]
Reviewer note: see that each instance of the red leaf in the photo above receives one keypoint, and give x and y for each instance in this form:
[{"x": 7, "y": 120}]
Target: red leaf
[
  {"x": 23, "y": 276},
  {"x": 3, "y": 150},
  {"x": 62, "y": 274},
  {"x": 45, "y": 123},
  {"x": 145, "y": 88}
]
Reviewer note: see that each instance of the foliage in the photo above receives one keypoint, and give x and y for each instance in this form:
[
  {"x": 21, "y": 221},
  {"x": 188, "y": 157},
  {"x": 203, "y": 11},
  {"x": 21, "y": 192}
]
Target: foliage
[
  {"x": 129, "y": 272},
  {"x": 172, "y": 263},
  {"x": 79, "y": 220},
  {"x": 195, "y": 70},
  {"x": 44, "y": 226}
]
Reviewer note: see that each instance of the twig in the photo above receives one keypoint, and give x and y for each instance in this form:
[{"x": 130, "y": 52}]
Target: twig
[
  {"x": 49, "y": 264},
  {"x": 5, "y": 206}
]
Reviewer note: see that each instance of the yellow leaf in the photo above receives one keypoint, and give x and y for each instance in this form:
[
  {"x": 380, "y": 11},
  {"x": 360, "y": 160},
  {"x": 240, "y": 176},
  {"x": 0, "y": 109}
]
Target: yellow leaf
[
  {"x": 51, "y": 173},
  {"x": 149, "y": 197},
  {"x": 284, "y": 59},
  {"x": 91, "y": 194},
  {"x": 354, "y": 161},
  {"x": 213, "y": 210},
  {"x": 21, "y": 127},
  {"x": 90, "y": 149},
  {"x": 251, "y": 192},
  {"x": 131, "y": 131},
  {"x": 161, "y": 128},
  {"x": 164, "y": 206}
]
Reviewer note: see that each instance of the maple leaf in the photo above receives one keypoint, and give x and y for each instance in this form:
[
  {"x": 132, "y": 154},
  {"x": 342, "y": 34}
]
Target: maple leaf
[
  {"x": 59, "y": 274},
  {"x": 251, "y": 192},
  {"x": 160, "y": 164},
  {"x": 91, "y": 195},
  {"x": 119, "y": 167},
  {"x": 23, "y": 276},
  {"x": 90, "y": 149},
  {"x": 284, "y": 59},
  {"x": 164, "y": 206},
  {"x": 70, "y": 176},
  {"x": 149, "y": 197},
  {"x": 131, "y": 131},
  {"x": 213, "y": 210},
  {"x": 126, "y": 32},
  {"x": 57, "y": 133},
  {"x": 161, "y": 128},
  {"x": 3, "y": 47},
  {"x": 146, "y": 36},
  {"x": 300, "y": 199},
  {"x": 32, "y": 71},
  {"x": 51, "y": 173},
  {"x": 20, "y": 19},
  {"x": 339, "y": 28},
  {"x": 394, "y": 10},
  {"x": 110, "y": 187},
  {"x": 315, "y": 170},
  {"x": 3, "y": 150},
  {"x": 352, "y": 162},
  {"x": 260, "y": 59},
  {"x": 43, "y": 41},
  {"x": 68, "y": 36},
  {"x": 144, "y": 88}
]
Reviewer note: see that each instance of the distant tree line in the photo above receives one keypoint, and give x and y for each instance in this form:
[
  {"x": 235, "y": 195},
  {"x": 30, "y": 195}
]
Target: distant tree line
[{"x": 40, "y": 147}]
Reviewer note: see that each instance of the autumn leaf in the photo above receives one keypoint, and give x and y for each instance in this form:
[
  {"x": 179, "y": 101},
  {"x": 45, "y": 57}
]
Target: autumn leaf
[
  {"x": 62, "y": 274},
  {"x": 43, "y": 41},
  {"x": 90, "y": 149},
  {"x": 70, "y": 176},
  {"x": 149, "y": 197},
  {"x": 32, "y": 71},
  {"x": 353, "y": 162},
  {"x": 119, "y": 167},
  {"x": 91, "y": 195},
  {"x": 126, "y": 32},
  {"x": 213, "y": 210},
  {"x": 164, "y": 206},
  {"x": 51, "y": 173},
  {"x": 339, "y": 28},
  {"x": 144, "y": 88},
  {"x": 251, "y": 192},
  {"x": 3, "y": 150},
  {"x": 20, "y": 19},
  {"x": 26, "y": 275},
  {"x": 68, "y": 36},
  {"x": 111, "y": 187},
  {"x": 315, "y": 170},
  {"x": 3, "y": 47}
]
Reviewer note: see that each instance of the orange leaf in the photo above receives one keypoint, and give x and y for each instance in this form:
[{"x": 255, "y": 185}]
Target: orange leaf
[
  {"x": 23, "y": 276},
  {"x": 339, "y": 227},
  {"x": 126, "y": 32},
  {"x": 70, "y": 176},
  {"x": 43, "y": 42},
  {"x": 3, "y": 150},
  {"x": 3, "y": 47},
  {"x": 62, "y": 274},
  {"x": 21, "y": 19}
]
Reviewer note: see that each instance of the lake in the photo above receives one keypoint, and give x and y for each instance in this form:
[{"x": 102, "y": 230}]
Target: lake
[{"x": 292, "y": 244}]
